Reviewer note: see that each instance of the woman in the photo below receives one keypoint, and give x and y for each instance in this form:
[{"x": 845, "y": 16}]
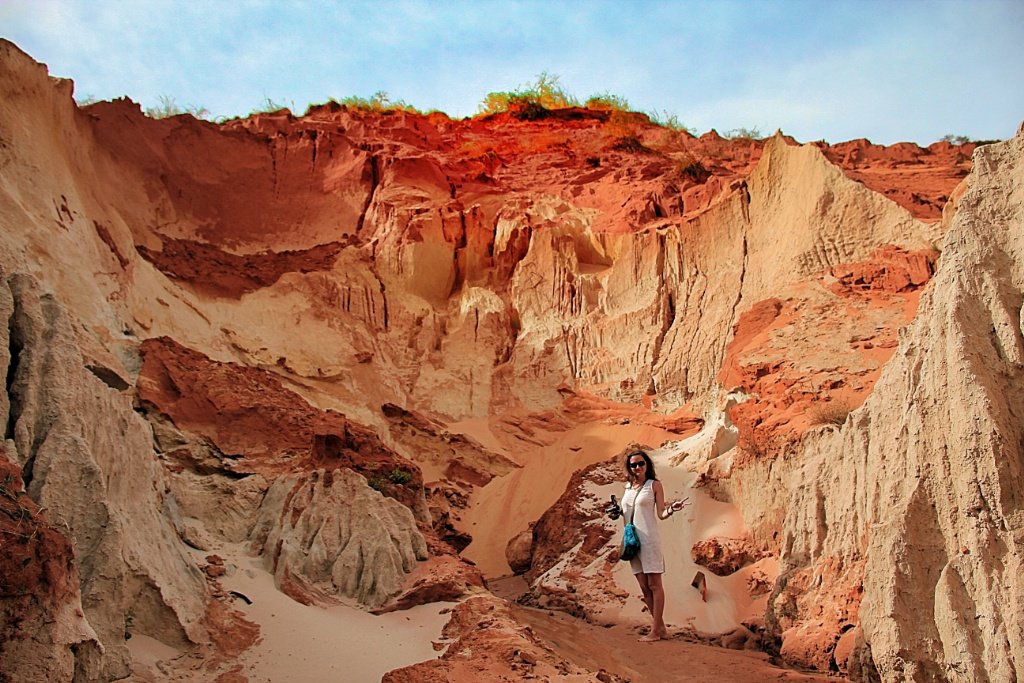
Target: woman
[{"x": 644, "y": 504}]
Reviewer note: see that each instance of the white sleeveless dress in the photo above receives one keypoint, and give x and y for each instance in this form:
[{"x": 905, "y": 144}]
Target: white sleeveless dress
[{"x": 645, "y": 519}]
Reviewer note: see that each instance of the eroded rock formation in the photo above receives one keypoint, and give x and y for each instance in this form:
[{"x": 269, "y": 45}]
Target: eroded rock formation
[
  {"x": 86, "y": 455},
  {"x": 329, "y": 528},
  {"x": 266, "y": 330},
  {"x": 917, "y": 497}
]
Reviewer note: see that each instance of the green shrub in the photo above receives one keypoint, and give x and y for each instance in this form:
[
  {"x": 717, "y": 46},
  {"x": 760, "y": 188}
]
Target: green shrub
[
  {"x": 955, "y": 139},
  {"x": 666, "y": 119},
  {"x": 269, "y": 106},
  {"x": 377, "y": 102},
  {"x": 631, "y": 144},
  {"x": 166, "y": 107},
  {"x": 399, "y": 476},
  {"x": 695, "y": 171},
  {"x": 607, "y": 102},
  {"x": 530, "y": 102},
  {"x": 743, "y": 134}
]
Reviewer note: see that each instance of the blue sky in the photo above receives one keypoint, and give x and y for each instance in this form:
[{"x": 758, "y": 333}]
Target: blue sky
[{"x": 889, "y": 71}]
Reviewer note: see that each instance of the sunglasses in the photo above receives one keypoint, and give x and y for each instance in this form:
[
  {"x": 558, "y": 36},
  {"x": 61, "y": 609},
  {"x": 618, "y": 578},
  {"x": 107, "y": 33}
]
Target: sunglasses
[{"x": 637, "y": 465}]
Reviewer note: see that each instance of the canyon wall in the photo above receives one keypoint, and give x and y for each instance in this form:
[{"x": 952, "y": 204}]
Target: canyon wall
[
  {"x": 236, "y": 330},
  {"x": 917, "y": 496}
]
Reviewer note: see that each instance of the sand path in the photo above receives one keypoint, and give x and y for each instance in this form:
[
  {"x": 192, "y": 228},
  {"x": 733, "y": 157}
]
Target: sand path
[{"x": 617, "y": 651}]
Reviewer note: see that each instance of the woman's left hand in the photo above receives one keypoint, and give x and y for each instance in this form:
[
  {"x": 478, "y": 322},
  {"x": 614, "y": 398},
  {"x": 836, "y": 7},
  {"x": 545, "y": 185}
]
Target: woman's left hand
[{"x": 678, "y": 505}]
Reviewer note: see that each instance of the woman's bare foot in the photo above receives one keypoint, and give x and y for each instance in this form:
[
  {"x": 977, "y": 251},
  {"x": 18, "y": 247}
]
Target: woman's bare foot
[{"x": 654, "y": 637}]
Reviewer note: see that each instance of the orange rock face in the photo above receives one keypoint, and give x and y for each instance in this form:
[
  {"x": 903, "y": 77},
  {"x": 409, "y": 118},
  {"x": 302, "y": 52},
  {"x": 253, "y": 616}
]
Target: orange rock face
[
  {"x": 812, "y": 358},
  {"x": 39, "y": 584},
  {"x": 919, "y": 179},
  {"x": 420, "y": 313},
  {"x": 565, "y": 525},
  {"x": 253, "y": 419},
  {"x": 890, "y": 269},
  {"x": 577, "y": 154},
  {"x": 818, "y": 639}
]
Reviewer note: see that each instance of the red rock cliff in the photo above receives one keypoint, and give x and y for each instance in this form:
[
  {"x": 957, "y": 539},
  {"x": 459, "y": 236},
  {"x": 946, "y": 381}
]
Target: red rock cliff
[{"x": 219, "y": 330}]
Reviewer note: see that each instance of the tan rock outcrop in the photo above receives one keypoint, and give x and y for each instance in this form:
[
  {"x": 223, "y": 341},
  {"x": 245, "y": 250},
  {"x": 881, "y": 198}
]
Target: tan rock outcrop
[
  {"x": 87, "y": 459},
  {"x": 519, "y": 552},
  {"x": 442, "y": 577},
  {"x": 911, "y": 509},
  {"x": 723, "y": 556},
  {"x": 484, "y": 640},
  {"x": 331, "y": 530}
]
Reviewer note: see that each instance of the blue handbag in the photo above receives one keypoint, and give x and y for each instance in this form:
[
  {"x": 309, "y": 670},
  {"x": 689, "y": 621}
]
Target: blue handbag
[
  {"x": 630, "y": 543},
  {"x": 630, "y": 538}
]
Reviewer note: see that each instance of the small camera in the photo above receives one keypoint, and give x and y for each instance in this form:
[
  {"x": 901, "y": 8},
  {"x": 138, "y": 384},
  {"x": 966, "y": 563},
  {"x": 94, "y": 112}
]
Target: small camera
[{"x": 612, "y": 509}]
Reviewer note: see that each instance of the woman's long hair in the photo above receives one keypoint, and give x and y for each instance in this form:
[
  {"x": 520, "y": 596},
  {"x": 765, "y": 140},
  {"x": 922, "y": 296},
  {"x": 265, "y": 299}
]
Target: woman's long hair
[{"x": 648, "y": 471}]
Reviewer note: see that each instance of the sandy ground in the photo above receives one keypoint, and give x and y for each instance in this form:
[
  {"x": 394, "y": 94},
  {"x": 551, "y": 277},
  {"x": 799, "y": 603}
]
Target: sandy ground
[
  {"x": 617, "y": 651},
  {"x": 300, "y": 643}
]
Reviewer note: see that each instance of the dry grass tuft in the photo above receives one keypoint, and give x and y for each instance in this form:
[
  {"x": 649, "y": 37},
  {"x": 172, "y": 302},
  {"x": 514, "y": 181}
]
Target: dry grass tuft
[{"x": 830, "y": 413}]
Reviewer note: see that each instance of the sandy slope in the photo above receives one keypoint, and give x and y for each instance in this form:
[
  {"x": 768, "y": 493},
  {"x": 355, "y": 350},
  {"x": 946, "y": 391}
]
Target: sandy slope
[
  {"x": 300, "y": 643},
  {"x": 508, "y": 504}
]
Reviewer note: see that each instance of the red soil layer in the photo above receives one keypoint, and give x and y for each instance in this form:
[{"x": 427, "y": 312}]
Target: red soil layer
[
  {"x": 795, "y": 387},
  {"x": 255, "y": 198},
  {"x": 920, "y": 180},
  {"x": 219, "y": 273},
  {"x": 37, "y": 563},
  {"x": 579, "y": 152},
  {"x": 256, "y": 423},
  {"x": 890, "y": 269}
]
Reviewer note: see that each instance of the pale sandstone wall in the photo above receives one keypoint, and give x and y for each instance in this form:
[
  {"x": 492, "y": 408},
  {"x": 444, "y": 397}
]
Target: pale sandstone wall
[
  {"x": 86, "y": 455},
  {"x": 73, "y": 295},
  {"x": 806, "y": 217},
  {"x": 650, "y": 312},
  {"x": 918, "y": 497},
  {"x": 87, "y": 460}
]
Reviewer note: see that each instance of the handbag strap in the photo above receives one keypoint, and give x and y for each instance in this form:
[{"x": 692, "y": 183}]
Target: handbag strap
[{"x": 632, "y": 508}]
